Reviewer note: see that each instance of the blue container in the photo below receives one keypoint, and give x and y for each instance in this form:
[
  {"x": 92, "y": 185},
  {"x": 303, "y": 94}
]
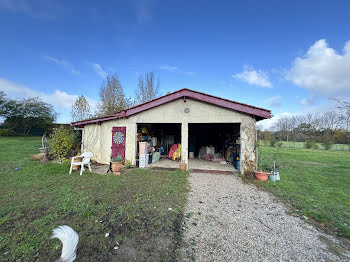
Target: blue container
[
  {"x": 273, "y": 178},
  {"x": 238, "y": 165}
]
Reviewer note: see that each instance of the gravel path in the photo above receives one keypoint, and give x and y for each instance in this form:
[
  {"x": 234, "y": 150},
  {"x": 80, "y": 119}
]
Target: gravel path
[{"x": 228, "y": 220}]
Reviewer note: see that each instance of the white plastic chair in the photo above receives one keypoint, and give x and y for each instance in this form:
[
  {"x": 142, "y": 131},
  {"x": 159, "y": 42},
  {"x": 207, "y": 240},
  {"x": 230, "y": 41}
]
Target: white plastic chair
[{"x": 85, "y": 161}]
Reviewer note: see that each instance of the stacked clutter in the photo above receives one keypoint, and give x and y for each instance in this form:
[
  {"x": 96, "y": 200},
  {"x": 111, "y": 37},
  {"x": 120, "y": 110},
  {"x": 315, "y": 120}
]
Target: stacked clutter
[
  {"x": 208, "y": 153},
  {"x": 143, "y": 154},
  {"x": 149, "y": 151},
  {"x": 231, "y": 156}
]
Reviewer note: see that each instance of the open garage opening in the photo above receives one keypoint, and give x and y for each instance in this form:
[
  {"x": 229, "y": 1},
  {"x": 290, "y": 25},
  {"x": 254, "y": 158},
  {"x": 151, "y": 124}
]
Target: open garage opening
[
  {"x": 214, "y": 146},
  {"x": 158, "y": 145}
]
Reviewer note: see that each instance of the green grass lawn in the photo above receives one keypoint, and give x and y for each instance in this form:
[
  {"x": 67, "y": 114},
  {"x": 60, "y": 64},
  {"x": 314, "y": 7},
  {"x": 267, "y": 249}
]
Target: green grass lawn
[
  {"x": 132, "y": 207},
  {"x": 316, "y": 182}
]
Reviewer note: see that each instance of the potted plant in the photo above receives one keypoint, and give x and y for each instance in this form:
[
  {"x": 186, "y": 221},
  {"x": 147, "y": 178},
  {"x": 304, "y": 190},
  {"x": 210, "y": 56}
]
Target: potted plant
[
  {"x": 117, "y": 164},
  {"x": 182, "y": 166},
  {"x": 263, "y": 172},
  {"x": 262, "y": 175}
]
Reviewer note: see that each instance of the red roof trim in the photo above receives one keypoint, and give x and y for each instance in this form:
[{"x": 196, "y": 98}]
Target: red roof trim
[{"x": 260, "y": 113}]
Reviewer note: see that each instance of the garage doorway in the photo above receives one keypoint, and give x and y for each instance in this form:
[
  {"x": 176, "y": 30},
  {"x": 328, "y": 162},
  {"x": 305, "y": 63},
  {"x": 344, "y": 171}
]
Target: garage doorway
[
  {"x": 163, "y": 142},
  {"x": 214, "y": 146}
]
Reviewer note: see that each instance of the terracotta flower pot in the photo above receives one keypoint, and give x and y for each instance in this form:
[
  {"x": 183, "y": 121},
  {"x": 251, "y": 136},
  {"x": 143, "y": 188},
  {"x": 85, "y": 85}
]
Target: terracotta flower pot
[
  {"x": 117, "y": 167},
  {"x": 76, "y": 167},
  {"x": 182, "y": 166},
  {"x": 261, "y": 176}
]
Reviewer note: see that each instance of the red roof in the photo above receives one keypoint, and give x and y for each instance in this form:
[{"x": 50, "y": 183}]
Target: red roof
[{"x": 259, "y": 113}]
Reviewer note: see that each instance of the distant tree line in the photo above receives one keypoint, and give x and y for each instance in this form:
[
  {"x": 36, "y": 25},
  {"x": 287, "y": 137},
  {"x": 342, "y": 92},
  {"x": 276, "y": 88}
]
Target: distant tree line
[{"x": 328, "y": 128}]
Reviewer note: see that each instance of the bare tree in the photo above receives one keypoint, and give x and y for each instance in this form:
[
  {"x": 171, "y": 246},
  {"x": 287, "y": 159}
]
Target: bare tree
[
  {"x": 81, "y": 109},
  {"x": 148, "y": 88},
  {"x": 344, "y": 113},
  {"x": 112, "y": 97},
  {"x": 294, "y": 123},
  {"x": 328, "y": 121},
  {"x": 283, "y": 126}
]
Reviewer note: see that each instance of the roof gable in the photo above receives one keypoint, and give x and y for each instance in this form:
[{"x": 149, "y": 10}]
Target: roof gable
[{"x": 257, "y": 112}]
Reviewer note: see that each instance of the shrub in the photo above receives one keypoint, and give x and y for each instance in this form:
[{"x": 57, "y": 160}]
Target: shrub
[
  {"x": 4, "y": 132},
  {"x": 127, "y": 164},
  {"x": 280, "y": 144},
  {"x": 327, "y": 144},
  {"x": 309, "y": 144},
  {"x": 273, "y": 142},
  {"x": 315, "y": 146},
  {"x": 61, "y": 141}
]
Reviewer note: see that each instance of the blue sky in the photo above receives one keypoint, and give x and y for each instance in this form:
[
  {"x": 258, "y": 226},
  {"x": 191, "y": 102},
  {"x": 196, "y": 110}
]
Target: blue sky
[{"x": 287, "y": 56}]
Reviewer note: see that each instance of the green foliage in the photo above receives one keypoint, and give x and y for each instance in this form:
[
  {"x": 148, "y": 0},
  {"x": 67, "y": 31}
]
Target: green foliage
[
  {"x": 310, "y": 144},
  {"x": 280, "y": 144},
  {"x": 80, "y": 109},
  {"x": 327, "y": 142},
  {"x": 315, "y": 146},
  {"x": 26, "y": 114},
  {"x": 39, "y": 197},
  {"x": 76, "y": 142},
  {"x": 273, "y": 141},
  {"x": 112, "y": 96},
  {"x": 61, "y": 141},
  {"x": 118, "y": 158},
  {"x": 4, "y": 132},
  {"x": 127, "y": 164}
]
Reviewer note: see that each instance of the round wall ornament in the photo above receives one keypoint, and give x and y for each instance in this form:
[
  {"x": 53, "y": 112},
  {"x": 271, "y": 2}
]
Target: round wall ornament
[{"x": 118, "y": 137}]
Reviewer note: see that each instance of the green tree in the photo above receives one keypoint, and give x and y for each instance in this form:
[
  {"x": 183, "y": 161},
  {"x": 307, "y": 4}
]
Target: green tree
[
  {"x": 28, "y": 113},
  {"x": 81, "y": 109},
  {"x": 112, "y": 97}
]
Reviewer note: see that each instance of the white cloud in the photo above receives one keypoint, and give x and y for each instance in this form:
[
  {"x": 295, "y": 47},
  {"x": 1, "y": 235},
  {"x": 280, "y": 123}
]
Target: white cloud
[
  {"x": 168, "y": 68},
  {"x": 63, "y": 63},
  {"x": 308, "y": 101},
  {"x": 189, "y": 73},
  {"x": 40, "y": 9},
  {"x": 274, "y": 101},
  {"x": 322, "y": 70},
  {"x": 61, "y": 100},
  {"x": 98, "y": 69},
  {"x": 253, "y": 77},
  {"x": 175, "y": 69},
  {"x": 143, "y": 11},
  {"x": 269, "y": 123}
]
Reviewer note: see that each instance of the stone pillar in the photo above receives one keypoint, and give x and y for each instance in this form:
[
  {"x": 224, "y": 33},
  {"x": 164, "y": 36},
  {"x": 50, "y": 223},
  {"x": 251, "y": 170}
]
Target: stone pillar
[
  {"x": 248, "y": 140},
  {"x": 184, "y": 142}
]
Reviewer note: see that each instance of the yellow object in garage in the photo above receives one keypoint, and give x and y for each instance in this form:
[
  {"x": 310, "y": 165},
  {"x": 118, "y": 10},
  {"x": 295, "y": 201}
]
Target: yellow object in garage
[{"x": 177, "y": 153}]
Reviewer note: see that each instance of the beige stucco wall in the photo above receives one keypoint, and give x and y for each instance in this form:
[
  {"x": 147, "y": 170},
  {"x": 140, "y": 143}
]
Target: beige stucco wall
[{"x": 98, "y": 138}]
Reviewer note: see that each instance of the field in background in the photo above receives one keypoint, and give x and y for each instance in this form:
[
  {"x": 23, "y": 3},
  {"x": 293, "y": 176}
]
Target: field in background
[
  {"x": 142, "y": 210},
  {"x": 316, "y": 182},
  {"x": 290, "y": 144}
]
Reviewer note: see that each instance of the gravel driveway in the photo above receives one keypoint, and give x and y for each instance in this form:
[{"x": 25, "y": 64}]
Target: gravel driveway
[{"x": 228, "y": 220}]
